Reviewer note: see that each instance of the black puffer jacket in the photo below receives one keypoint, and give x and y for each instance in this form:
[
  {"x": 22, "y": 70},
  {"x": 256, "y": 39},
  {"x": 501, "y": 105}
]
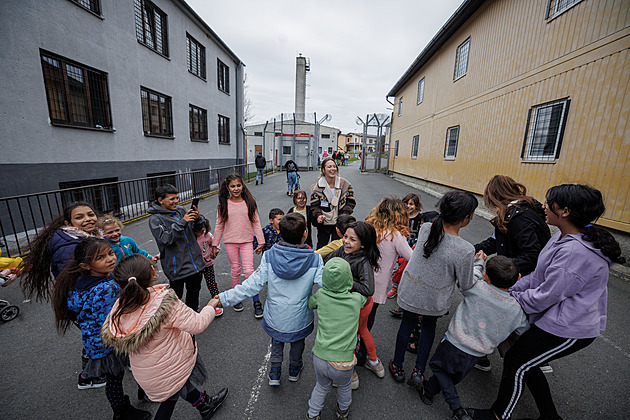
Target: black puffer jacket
[{"x": 527, "y": 234}]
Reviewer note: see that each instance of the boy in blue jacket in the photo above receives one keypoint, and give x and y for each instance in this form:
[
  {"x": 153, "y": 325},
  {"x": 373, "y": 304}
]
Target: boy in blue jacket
[{"x": 289, "y": 269}]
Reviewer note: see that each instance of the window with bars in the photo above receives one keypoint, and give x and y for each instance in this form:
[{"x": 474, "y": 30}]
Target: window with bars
[
  {"x": 421, "y": 91},
  {"x": 224, "y": 130},
  {"x": 77, "y": 95},
  {"x": 104, "y": 197},
  {"x": 198, "y": 121},
  {"x": 162, "y": 178},
  {"x": 544, "y": 131},
  {"x": 157, "y": 116},
  {"x": 151, "y": 26},
  {"x": 414, "y": 147},
  {"x": 452, "y": 138},
  {"x": 461, "y": 59},
  {"x": 93, "y": 6},
  {"x": 223, "y": 76},
  {"x": 396, "y": 149},
  {"x": 400, "y": 103},
  {"x": 558, "y": 7},
  {"x": 195, "y": 57}
]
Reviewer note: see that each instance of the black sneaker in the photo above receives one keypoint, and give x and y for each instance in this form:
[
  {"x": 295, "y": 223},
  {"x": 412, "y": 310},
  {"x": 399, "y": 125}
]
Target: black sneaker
[
  {"x": 397, "y": 312},
  {"x": 258, "y": 310},
  {"x": 483, "y": 365},
  {"x": 89, "y": 383},
  {"x": 461, "y": 414},
  {"x": 424, "y": 394},
  {"x": 238, "y": 307},
  {"x": 209, "y": 404}
]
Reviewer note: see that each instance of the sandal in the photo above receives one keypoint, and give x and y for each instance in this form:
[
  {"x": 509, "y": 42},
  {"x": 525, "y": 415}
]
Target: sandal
[{"x": 397, "y": 372}]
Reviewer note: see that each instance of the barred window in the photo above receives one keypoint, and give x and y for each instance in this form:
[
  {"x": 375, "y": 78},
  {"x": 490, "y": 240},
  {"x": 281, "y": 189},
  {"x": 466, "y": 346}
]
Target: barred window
[
  {"x": 93, "y": 6},
  {"x": 198, "y": 123},
  {"x": 195, "y": 57},
  {"x": 77, "y": 95},
  {"x": 452, "y": 138},
  {"x": 400, "y": 103},
  {"x": 224, "y": 130},
  {"x": 558, "y": 7},
  {"x": 421, "y": 91},
  {"x": 157, "y": 117},
  {"x": 414, "y": 147},
  {"x": 544, "y": 131},
  {"x": 461, "y": 59},
  {"x": 223, "y": 76},
  {"x": 151, "y": 27}
]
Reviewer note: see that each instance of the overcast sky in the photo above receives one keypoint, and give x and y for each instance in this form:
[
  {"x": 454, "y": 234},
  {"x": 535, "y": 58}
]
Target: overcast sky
[{"x": 357, "y": 50}]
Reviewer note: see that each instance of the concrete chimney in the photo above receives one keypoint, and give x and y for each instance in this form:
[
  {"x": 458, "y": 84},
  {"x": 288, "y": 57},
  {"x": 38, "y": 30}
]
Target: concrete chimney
[{"x": 301, "y": 67}]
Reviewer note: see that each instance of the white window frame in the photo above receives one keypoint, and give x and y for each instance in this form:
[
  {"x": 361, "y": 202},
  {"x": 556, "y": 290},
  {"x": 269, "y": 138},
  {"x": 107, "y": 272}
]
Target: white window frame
[
  {"x": 539, "y": 135},
  {"x": 414, "y": 147},
  {"x": 454, "y": 129},
  {"x": 461, "y": 60},
  {"x": 557, "y": 7},
  {"x": 400, "y": 104},
  {"x": 396, "y": 149},
  {"x": 420, "y": 91}
]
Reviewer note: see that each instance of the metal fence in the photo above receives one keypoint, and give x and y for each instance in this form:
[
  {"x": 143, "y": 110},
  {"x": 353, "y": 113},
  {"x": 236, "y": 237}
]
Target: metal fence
[{"x": 23, "y": 216}]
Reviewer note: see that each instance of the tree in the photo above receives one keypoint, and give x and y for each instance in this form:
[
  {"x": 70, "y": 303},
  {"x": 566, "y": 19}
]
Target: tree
[{"x": 248, "y": 115}]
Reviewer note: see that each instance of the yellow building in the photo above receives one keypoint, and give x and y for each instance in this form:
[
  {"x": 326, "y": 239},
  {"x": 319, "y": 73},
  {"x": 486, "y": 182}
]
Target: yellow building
[{"x": 534, "y": 89}]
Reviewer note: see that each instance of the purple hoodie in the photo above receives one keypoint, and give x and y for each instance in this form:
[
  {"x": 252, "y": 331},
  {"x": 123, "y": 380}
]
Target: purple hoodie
[{"x": 566, "y": 294}]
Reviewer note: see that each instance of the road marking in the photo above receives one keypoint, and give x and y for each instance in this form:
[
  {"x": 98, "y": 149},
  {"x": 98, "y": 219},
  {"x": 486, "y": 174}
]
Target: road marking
[
  {"x": 253, "y": 398},
  {"x": 615, "y": 345}
]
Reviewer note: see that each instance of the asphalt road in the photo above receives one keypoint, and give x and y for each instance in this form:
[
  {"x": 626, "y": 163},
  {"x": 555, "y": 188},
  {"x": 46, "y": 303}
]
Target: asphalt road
[{"x": 38, "y": 368}]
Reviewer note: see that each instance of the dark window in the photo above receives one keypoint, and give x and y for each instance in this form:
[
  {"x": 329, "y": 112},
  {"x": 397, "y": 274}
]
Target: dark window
[
  {"x": 162, "y": 178},
  {"x": 77, "y": 95},
  {"x": 396, "y": 148},
  {"x": 258, "y": 133},
  {"x": 93, "y": 6},
  {"x": 557, "y": 7},
  {"x": 414, "y": 147},
  {"x": 198, "y": 121},
  {"x": 452, "y": 138},
  {"x": 224, "y": 130},
  {"x": 151, "y": 27},
  {"x": 223, "y": 76},
  {"x": 544, "y": 131},
  {"x": 286, "y": 150},
  {"x": 325, "y": 136},
  {"x": 461, "y": 59},
  {"x": 157, "y": 118},
  {"x": 195, "y": 57},
  {"x": 104, "y": 197}
]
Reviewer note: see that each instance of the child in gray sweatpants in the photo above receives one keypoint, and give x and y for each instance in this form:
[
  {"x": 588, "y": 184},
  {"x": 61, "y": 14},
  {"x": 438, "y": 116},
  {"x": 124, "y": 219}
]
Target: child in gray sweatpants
[{"x": 485, "y": 318}]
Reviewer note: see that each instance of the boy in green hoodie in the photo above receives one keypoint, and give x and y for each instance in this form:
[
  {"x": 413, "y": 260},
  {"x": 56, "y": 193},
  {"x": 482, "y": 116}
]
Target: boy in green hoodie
[{"x": 337, "y": 325}]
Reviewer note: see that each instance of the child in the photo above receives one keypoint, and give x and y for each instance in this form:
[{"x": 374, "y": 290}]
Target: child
[
  {"x": 154, "y": 327},
  {"x": 289, "y": 269},
  {"x": 343, "y": 221},
  {"x": 123, "y": 246},
  {"x": 412, "y": 201},
  {"x": 360, "y": 250},
  {"x": 83, "y": 294},
  {"x": 337, "y": 322},
  {"x": 201, "y": 228},
  {"x": 180, "y": 256},
  {"x": 468, "y": 337},
  {"x": 272, "y": 230},
  {"x": 299, "y": 200},
  {"x": 443, "y": 261},
  {"x": 237, "y": 216}
]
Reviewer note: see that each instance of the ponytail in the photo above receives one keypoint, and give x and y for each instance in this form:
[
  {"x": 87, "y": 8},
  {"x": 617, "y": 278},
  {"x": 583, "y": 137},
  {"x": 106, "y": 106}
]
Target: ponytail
[
  {"x": 134, "y": 275},
  {"x": 604, "y": 241},
  {"x": 455, "y": 206}
]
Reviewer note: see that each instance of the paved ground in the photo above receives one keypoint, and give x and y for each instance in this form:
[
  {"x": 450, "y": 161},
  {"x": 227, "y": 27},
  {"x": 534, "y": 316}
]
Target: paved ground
[{"x": 38, "y": 368}]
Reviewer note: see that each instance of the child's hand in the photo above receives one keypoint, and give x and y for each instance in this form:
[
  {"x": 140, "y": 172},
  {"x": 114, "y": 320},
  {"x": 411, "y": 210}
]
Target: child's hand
[
  {"x": 191, "y": 214},
  {"x": 259, "y": 248},
  {"x": 214, "y": 251},
  {"x": 155, "y": 258},
  {"x": 214, "y": 303},
  {"x": 481, "y": 255}
]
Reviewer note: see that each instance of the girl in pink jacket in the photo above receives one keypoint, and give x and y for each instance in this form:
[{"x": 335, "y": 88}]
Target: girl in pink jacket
[{"x": 156, "y": 329}]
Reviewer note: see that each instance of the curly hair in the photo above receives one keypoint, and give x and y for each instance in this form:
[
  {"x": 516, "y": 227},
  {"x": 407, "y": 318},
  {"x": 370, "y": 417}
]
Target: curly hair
[
  {"x": 389, "y": 216},
  {"x": 501, "y": 191}
]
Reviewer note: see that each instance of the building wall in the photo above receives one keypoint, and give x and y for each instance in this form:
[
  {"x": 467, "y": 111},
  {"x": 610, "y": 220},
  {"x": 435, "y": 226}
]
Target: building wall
[
  {"x": 107, "y": 44},
  {"x": 519, "y": 60}
]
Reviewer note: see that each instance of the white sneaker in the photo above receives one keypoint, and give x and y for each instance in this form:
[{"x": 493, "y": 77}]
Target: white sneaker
[
  {"x": 546, "y": 368},
  {"x": 378, "y": 369}
]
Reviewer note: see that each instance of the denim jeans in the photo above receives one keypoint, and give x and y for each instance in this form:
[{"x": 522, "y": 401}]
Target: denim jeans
[
  {"x": 427, "y": 335},
  {"x": 260, "y": 172}
]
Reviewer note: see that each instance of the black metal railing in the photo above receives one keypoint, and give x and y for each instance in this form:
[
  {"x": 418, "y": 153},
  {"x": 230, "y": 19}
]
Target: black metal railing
[{"x": 23, "y": 216}]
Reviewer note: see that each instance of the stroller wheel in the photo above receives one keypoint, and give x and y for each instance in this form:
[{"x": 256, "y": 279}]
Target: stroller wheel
[{"x": 9, "y": 313}]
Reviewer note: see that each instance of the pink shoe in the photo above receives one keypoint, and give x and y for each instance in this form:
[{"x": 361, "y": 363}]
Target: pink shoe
[
  {"x": 392, "y": 293},
  {"x": 218, "y": 312}
]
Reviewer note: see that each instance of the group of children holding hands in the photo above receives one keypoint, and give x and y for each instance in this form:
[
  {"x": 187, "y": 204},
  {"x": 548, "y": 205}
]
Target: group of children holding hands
[{"x": 131, "y": 320}]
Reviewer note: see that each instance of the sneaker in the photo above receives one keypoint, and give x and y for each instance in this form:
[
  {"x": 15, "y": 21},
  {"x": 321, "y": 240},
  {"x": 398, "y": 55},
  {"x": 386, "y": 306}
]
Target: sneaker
[
  {"x": 256, "y": 182},
  {"x": 274, "y": 376},
  {"x": 294, "y": 373},
  {"x": 461, "y": 414},
  {"x": 425, "y": 397},
  {"x": 238, "y": 307},
  {"x": 209, "y": 404},
  {"x": 546, "y": 368},
  {"x": 342, "y": 415},
  {"x": 218, "y": 312},
  {"x": 481, "y": 413},
  {"x": 378, "y": 369},
  {"x": 397, "y": 372},
  {"x": 258, "y": 310},
  {"x": 317, "y": 417},
  {"x": 416, "y": 379},
  {"x": 392, "y": 293},
  {"x": 397, "y": 312},
  {"x": 90, "y": 383},
  {"x": 483, "y": 365}
]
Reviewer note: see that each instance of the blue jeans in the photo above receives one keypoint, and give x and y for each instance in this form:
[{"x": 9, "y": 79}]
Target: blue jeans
[
  {"x": 295, "y": 354},
  {"x": 259, "y": 174},
  {"x": 427, "y": 335},
  {"x": 292, "y": 177}
]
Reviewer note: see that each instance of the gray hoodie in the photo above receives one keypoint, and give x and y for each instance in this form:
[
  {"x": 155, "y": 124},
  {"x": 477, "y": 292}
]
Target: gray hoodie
[{"x": 180, "y": 254}]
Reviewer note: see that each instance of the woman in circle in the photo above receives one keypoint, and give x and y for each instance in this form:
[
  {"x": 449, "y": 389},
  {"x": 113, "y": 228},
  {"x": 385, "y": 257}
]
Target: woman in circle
[
  {"x": 565, "y": 298},
  {"x": 331, "y": 196}
]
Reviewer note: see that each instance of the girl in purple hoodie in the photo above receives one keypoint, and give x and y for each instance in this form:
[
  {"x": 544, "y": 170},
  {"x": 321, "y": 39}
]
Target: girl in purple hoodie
[{"x": 564, "y": 297}]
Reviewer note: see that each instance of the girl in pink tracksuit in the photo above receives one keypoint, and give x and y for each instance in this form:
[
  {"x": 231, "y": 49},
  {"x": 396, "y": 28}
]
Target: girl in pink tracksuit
[{"x": 155, "y": 328}]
